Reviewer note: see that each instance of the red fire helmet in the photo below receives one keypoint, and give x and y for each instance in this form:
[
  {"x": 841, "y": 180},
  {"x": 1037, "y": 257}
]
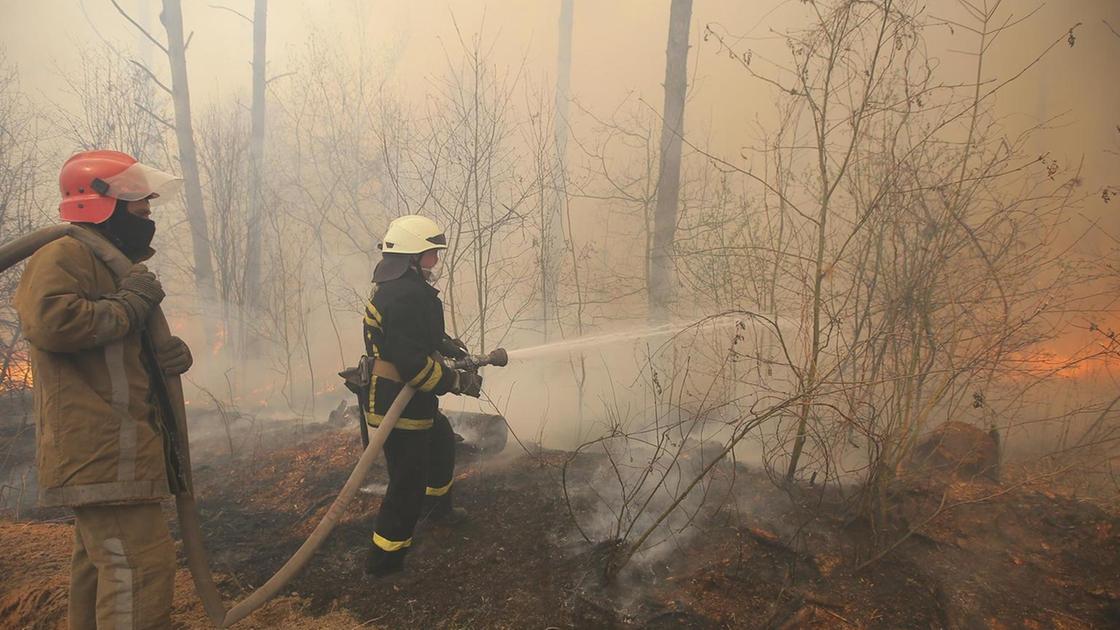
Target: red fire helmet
[{"x": 91, "y": 182}]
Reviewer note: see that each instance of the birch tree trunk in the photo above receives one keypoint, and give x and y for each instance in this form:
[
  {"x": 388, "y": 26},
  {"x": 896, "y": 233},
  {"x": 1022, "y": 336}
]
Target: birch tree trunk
[
  {"x": 661, "y": 284},
  {"x": 172, "y": 19}
]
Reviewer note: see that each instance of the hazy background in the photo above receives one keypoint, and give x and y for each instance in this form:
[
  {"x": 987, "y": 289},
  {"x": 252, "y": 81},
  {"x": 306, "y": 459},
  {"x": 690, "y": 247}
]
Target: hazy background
[
  {"x": 618, "y": 52},
  {"x": 618, "y": 49},
  {"x": 618, "y": 63}
]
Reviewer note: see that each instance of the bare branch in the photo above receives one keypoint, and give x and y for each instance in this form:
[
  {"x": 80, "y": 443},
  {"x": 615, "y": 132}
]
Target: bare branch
[
  {"x": 143, "y": 30},
  {"x": 279, "y": 76},
  {"x": 953, "y": 23},
  {"x": 157, "y": 117},
  {"x": 1114, "y": 32},
  {"x": 233, "y": 11},
  {"x": 151, "y": 75}
]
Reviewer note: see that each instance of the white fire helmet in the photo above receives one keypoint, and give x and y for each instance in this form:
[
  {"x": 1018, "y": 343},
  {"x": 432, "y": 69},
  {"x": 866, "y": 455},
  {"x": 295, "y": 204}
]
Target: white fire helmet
[{"x": 412, "y": 234}]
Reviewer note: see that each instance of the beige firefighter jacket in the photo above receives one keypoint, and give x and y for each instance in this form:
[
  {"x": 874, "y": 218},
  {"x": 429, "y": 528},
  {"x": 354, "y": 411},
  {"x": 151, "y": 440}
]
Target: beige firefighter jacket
[{"x": 98, "y": 441}]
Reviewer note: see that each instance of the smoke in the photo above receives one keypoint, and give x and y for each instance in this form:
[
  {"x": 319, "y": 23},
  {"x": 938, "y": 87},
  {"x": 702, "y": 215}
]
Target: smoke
[{"x": 370, "y": 113}]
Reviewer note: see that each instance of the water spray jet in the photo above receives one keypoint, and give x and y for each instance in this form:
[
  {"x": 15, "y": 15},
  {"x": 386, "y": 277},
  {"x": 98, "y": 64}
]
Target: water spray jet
[{"x": 594, "y": 341}]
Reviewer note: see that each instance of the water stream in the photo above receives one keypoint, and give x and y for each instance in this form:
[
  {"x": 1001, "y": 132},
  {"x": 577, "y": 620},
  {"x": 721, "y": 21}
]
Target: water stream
[{"x": 583, "y": 343}]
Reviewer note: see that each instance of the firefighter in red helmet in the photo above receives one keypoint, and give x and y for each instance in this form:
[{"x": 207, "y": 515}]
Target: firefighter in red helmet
[{"x": 100, "y": 442}]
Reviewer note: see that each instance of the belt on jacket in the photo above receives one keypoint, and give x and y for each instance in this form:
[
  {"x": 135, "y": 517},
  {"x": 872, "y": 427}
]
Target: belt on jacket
[
  {"x": 389, "y": 371},
  {"x": 386, "y": 370}
]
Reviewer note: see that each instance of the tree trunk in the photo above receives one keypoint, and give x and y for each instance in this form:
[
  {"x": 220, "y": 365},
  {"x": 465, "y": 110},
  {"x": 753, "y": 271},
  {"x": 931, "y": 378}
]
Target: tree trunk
[
  {"x": 172, "y": 19},
  {"x": 552, "y": 238},
  {"x": 661, "y": 282},
  {"x": 249, "y": 342},
  {"x": 256, "y": 158}
]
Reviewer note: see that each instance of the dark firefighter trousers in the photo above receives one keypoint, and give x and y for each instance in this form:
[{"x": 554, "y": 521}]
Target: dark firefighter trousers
[{"x": 421, "y": 467}]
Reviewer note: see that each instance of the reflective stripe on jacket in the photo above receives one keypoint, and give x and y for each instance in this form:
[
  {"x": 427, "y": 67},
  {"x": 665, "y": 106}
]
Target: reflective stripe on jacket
[{"x": 95, "y": 415}]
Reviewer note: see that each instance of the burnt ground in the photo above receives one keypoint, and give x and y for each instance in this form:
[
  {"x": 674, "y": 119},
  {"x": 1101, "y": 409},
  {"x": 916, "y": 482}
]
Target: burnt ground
[{"x": 1012, "y": 555}]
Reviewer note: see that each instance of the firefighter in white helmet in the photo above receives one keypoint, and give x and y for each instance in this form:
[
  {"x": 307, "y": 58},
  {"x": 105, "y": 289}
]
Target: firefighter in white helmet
[{"x": 404, "y": 333}]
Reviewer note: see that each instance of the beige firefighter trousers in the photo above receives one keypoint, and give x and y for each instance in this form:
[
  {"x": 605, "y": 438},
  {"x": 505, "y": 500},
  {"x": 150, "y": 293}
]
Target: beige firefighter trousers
[{"x": 123, "y": 570}]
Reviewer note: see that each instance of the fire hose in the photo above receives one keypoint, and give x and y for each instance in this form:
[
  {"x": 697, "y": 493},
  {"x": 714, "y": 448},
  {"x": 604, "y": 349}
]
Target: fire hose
[{"x": 198, "y": 561}]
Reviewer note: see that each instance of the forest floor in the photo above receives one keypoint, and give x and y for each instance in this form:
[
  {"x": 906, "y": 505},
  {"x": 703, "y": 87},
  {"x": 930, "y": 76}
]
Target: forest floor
[{"x": 1019, "y": 554}]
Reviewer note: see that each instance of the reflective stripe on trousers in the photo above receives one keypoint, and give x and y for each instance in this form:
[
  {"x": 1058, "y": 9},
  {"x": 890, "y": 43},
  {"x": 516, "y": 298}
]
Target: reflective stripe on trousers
[
  {"x": 123, "y": 568},
  {"x": 390, "y": 545}
]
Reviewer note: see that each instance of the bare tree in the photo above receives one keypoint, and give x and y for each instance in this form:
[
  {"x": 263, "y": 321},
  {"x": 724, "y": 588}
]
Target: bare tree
[
  {"x": 906, "y": 242},
  {"x": 668, "y": 184},
  {"x": 224, "y": 146},
  {"x": 918, "y": 236},
  {"x": 552, "y": 235},
  {"x": 118, "y": 107},
  {"x": 251, "y": 265},
  {"x": 464, "y": 163},
  {"x": 487, "y": 205},
  {"x": 176, "y": 52},
  {"x": 21, "y": 175},
  {"x": 256, "y": 152}
]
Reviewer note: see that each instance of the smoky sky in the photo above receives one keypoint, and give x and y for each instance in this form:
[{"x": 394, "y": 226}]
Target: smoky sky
[{"x": 618, "y": 54}]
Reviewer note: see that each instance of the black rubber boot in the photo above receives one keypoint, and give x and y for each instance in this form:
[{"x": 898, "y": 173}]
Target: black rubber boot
[{"x": 381, "y": 563}]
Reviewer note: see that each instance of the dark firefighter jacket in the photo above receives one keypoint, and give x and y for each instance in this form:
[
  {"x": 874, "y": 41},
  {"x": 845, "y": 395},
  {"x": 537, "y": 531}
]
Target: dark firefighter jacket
[
  {"x": 404, "y": 326},
  {"x": 95, "y": 417}
]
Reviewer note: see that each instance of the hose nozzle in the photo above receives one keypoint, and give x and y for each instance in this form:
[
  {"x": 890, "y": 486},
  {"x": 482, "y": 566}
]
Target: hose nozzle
[{"x": 498, "y": 357}]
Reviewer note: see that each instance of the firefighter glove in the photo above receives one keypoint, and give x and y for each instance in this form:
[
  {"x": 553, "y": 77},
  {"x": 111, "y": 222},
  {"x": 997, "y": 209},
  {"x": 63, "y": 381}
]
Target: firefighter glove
[
  {"x": 139, "y": 291},
  {"x": 467, "y": 383},
  {"x": 174, "y": 357}
]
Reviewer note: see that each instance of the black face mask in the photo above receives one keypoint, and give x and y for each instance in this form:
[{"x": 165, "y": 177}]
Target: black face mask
[{"x": 130, "y": 233}]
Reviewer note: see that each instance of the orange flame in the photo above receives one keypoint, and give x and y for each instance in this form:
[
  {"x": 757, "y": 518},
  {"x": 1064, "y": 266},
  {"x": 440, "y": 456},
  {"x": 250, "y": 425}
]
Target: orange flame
[
  {"x": 19, "y": 375},
  {"x": 1047, "y": 364},
  {"x": 219, "y": 341}
]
